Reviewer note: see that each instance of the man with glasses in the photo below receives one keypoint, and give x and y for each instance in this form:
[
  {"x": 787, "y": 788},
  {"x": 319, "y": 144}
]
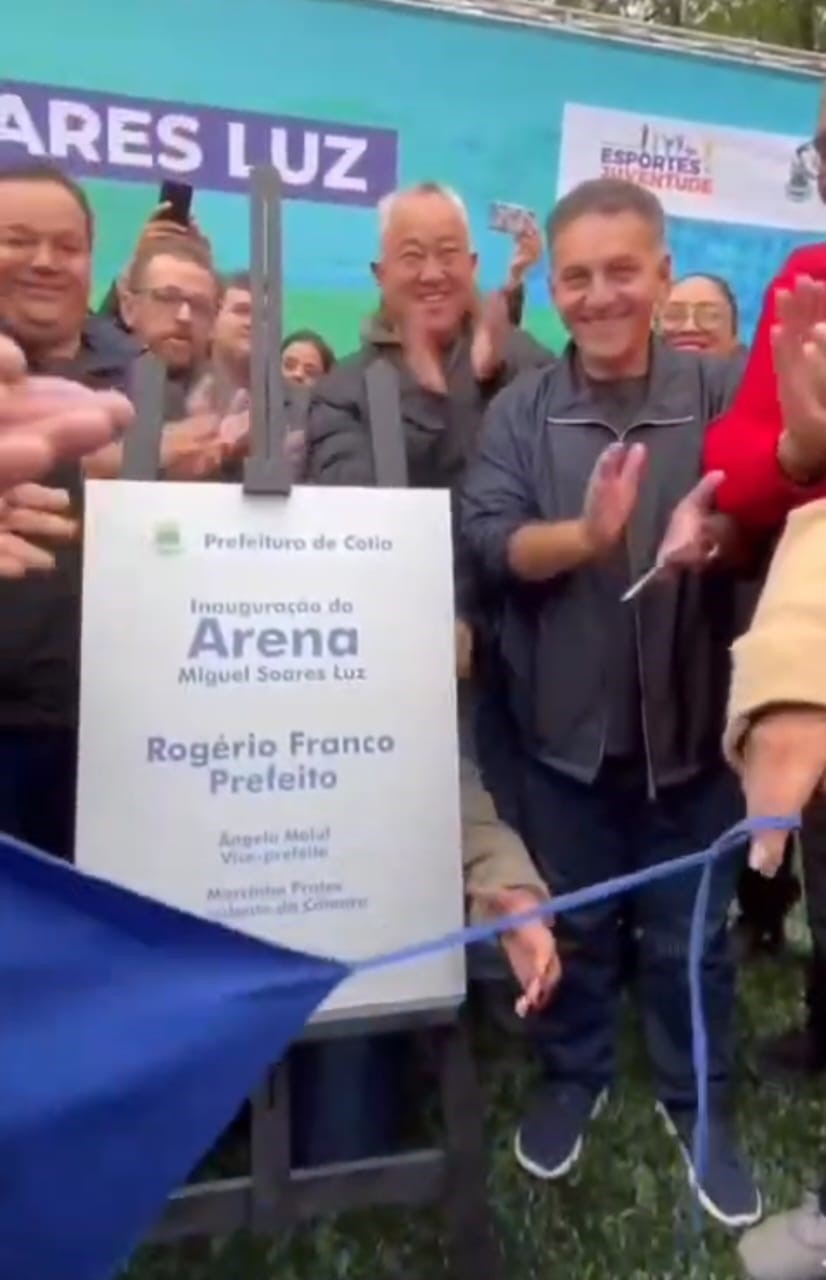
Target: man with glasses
[{"x": 169, "y": 303}]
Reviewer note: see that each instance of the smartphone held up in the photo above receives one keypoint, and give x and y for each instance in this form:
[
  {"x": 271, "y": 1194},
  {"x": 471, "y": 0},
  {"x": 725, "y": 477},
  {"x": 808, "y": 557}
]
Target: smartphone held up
[
  {"x": 512, "y": 219},
  {"x": 176, "y": 203}
]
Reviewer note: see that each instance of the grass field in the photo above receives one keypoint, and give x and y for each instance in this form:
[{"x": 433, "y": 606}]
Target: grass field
[{"x": 625, "y": 1215}]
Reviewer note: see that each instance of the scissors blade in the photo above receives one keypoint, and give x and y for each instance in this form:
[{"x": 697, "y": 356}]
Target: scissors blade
[{"x": 640, "y": 585}]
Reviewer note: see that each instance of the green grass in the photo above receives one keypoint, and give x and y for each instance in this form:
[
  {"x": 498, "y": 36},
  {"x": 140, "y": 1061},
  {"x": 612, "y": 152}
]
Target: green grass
[{"x": 623, "y": 1217}]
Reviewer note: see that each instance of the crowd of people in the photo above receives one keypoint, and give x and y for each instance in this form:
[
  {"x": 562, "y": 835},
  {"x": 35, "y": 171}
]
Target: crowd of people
[{"x": 592, "y": 725}]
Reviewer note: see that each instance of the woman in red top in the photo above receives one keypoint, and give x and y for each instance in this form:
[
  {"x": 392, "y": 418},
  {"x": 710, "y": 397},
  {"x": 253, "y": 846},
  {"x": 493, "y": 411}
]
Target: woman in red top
[
  {"x": 770, "y": 470},
  {"x": 772, "y": 466}
]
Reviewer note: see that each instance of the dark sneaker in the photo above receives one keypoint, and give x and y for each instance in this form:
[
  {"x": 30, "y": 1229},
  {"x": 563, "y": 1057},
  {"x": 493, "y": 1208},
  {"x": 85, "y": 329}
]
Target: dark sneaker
[
  {"x": 549, "y": 1141},
  {"x": 728, "y": 1191},
  {"x": 787, "y": 1246},
  {"x": 791, "y": 1057}
]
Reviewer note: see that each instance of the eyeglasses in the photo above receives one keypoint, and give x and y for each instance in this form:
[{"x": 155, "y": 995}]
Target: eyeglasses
[
  {"x": 174, "y": 299},
  {"x": 708, "y": 317}
]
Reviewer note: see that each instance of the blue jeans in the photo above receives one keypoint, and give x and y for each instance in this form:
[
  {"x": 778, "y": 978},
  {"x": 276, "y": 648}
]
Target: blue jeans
[{"x": 582, "y": 834}]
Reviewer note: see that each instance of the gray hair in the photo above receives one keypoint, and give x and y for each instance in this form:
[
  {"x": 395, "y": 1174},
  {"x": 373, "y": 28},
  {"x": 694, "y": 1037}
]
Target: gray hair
[
  {"x": 388, "y": 203},
  {"x": 606, "y": 196}
]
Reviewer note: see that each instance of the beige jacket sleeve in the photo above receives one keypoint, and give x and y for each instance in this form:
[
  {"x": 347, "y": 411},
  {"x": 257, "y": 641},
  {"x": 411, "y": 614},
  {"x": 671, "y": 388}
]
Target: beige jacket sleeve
[
  {"x": 493, "y": 855},
  {"x": 782, "y": 657}
]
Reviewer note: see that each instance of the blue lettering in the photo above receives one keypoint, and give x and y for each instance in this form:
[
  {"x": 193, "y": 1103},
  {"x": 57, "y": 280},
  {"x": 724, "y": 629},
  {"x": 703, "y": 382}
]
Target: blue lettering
[
  {"x": 302, "y": 744},
  {"x": 300, "y": 778},
  {"x": 208, "y": 638},
  {"x": 211, "y": 638}
]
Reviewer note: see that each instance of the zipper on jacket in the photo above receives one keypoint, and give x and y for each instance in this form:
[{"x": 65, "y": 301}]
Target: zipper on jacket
[
  {"x": 582, "y": 422},
  {"x": 651, "y": 785},
  {"x": 606, "y": 426},
  {"x": 656, "y": 422}
]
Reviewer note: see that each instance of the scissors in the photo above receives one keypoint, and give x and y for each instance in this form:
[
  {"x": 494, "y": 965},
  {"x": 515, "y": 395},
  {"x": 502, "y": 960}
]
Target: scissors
[
  {"x": 656, "y": 569},
  {"x": 637, "y": 587}
]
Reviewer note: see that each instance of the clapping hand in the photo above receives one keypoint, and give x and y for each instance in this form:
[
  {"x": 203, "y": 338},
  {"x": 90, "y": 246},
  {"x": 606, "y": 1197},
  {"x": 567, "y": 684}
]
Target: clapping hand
[
  {"x": 32, "y": 511},
  {"x": 612, "y": 495},
  {"x": 491, "y": 327},
  {"x": 799, "y": 349},
  {"x": 422, "y": 354},
  {"x": 200, "y": 445},
  {"x": 44, "y": 420}
]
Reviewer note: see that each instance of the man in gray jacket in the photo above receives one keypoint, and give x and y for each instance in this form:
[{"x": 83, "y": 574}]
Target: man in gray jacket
[{"x": 619, "y": 704}]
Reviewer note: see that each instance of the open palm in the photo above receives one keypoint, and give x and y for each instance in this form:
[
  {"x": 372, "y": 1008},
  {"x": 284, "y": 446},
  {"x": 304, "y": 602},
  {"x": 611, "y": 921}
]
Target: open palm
[
  {"x": 612, "y": 494},
  {"x": 799, "y": 351},
  {"x": 43, "y": 419}
]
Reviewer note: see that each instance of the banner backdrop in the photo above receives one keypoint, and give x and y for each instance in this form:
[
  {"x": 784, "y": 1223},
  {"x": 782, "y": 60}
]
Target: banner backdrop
[
  {"x": 735, "y": 176},
  {"x": 198, "y": 92}
]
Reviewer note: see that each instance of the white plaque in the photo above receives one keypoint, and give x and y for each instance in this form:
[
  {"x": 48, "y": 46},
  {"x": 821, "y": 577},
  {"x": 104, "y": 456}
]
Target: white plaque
[{"x": 268, "y": 727}]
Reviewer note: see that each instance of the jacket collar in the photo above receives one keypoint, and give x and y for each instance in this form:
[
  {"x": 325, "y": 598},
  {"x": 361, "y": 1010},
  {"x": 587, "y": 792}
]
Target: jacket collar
[
  {"x": 103, "y": 347},
  {"x": 379, "y": 331},
  {"x": 574, "y": 402}
]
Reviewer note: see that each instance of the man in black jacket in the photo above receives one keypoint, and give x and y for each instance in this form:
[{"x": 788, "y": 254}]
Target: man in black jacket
[
  {"x": 45, "y": 269},
  {"x": 46, "y": 240},
  {"x": 619, "y": 705},
  {"x": 452, "y": 353}
]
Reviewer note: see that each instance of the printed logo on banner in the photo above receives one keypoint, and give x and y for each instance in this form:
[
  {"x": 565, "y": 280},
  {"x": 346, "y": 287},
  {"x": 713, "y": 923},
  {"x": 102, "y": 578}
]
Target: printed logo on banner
[
  {"x": 662, "y": 160},
  {"x": 737, "y": 177},
  {"x": 801, "y": 184},
  {"x": 101, "y": 135},
  {"x": 167, "y": 539}
]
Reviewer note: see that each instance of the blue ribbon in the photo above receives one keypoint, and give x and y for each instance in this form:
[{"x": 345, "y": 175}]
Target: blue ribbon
[{"x": 705, "y": 859}]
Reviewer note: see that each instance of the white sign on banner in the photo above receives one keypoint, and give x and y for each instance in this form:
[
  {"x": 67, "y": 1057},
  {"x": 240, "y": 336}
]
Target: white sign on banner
[
  {"x": 268, "y": 730},
  {"x": 697, "y": 170}
]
